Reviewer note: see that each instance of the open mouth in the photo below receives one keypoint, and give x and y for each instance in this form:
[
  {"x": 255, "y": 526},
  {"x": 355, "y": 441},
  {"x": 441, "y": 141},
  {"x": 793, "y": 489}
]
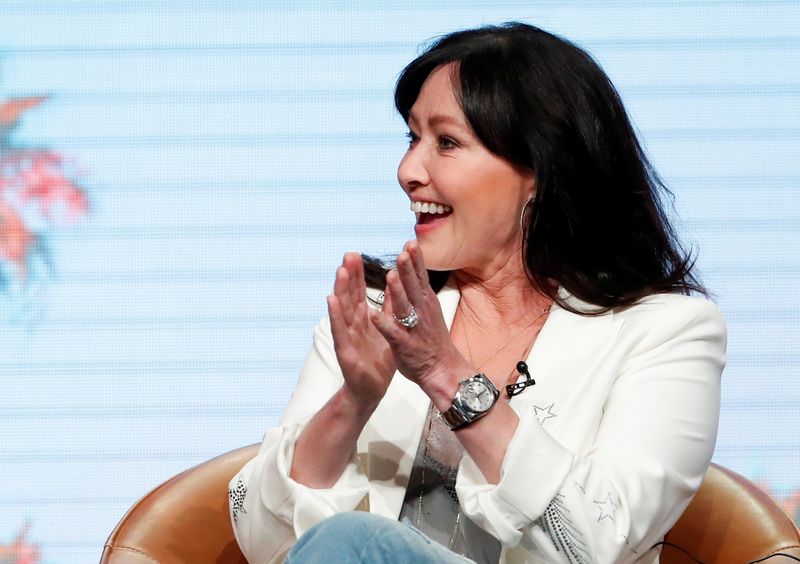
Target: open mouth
[{"x": 429, "y": 212}]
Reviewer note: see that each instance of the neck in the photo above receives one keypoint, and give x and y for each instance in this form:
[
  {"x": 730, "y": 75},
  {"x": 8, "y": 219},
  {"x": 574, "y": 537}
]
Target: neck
[{"x": 505, "y": 298}]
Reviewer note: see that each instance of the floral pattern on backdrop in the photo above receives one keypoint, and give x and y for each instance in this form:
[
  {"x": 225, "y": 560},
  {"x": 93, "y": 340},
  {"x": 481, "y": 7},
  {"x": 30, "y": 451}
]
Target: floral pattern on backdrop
[
  {"x": 39, "y": 193},
  {"x": 20, "y": 550}
]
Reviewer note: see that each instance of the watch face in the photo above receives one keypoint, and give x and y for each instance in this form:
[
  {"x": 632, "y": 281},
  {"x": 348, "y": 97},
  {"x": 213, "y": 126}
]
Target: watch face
[{"x": 477, "y": 396}]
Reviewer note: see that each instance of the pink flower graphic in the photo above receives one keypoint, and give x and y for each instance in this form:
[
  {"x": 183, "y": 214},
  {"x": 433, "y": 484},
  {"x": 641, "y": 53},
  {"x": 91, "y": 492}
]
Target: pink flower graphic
[
  {"x": 38, "y": 192},
  {"x": 15, "y": 238},
  {"x": 20, "y": 551}
]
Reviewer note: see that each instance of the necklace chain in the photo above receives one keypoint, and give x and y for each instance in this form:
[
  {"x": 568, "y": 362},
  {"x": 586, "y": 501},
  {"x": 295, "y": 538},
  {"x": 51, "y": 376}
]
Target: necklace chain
[{"x": 508, "y": 342}]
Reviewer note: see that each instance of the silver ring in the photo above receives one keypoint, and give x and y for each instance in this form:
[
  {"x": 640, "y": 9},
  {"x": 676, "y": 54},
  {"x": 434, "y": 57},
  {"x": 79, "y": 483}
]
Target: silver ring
[{"x": 410, "y": 321}]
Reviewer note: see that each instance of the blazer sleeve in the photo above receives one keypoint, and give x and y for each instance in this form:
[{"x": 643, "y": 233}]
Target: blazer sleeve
[
  {"x": 269, "y": 510},
  {"x": 654, "y": 442}
]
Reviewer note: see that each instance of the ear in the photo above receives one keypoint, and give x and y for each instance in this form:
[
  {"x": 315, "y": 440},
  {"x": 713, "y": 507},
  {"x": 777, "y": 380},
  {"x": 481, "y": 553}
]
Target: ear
[{"x": 529, "y": 181}]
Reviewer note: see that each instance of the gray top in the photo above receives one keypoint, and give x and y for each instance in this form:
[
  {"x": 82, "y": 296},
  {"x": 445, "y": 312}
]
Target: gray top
[{"x": 431, "y": 503}]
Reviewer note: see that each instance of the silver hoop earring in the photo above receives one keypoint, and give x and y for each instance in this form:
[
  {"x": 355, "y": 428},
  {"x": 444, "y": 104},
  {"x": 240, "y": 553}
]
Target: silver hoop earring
[{"x": 522, "y": 216}]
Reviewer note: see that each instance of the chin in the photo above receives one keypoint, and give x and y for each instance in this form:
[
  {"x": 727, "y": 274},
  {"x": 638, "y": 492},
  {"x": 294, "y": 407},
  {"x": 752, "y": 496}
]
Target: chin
[
  {"x": 435, "y": 259},
  {"x": 432, "y": 256}
]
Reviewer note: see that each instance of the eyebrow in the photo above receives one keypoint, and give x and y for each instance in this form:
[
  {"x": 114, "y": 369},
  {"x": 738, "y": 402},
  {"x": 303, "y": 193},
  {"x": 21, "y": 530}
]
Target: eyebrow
[{"x": 439, "y": 119}]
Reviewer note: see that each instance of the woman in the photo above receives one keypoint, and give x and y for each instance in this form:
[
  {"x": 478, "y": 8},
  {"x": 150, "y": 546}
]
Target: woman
[{"x": 539, "y": 237}]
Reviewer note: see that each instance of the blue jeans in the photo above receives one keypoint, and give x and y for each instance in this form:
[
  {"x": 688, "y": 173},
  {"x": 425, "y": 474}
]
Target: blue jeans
[{"x": 370, "y": 539}]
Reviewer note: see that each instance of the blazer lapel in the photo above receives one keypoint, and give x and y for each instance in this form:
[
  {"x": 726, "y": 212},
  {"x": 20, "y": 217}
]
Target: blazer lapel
[{"x": 563, "y": 359}]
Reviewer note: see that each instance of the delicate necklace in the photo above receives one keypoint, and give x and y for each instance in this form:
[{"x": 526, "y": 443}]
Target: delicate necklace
[
  {"x": 457, "y": 527},
  {"x": 508, "y": 342}
]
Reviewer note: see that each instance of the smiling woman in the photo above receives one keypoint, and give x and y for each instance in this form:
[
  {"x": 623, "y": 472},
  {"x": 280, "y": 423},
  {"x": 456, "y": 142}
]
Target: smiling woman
[{"x": 541, "y": 251}]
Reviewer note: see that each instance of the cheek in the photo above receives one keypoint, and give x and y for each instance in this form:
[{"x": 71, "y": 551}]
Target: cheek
[
  {"x": 494, "y": 229},
  {"x": 489, "y": 216}
]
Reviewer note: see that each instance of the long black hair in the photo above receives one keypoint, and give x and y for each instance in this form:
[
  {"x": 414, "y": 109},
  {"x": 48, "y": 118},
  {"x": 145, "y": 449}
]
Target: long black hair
[{"x": 596, "y": 225}]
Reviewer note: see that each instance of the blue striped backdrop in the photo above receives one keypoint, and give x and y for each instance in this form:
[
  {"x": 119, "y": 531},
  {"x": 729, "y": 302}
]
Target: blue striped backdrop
[{"x": 235, "y": 149}]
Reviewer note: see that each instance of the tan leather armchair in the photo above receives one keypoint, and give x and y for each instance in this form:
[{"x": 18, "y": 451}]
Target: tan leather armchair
[
  {"x": 186, "y": 519},
  {"x": 731, "y": 521}
]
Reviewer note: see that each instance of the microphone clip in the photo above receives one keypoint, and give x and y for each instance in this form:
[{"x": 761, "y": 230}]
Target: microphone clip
[{"x": 519, "y": 387}]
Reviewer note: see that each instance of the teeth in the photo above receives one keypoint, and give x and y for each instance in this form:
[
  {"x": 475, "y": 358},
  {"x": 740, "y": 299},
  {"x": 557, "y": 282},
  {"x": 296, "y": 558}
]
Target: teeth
[{"x": 430, "y": 207}]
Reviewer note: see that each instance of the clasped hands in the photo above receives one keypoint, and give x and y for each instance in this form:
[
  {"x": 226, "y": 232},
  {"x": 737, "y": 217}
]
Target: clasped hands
[{"x": 370, "y": 343}]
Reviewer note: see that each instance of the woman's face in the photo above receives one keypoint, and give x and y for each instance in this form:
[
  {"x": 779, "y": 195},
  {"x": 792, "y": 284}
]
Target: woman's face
[{"x": 447, "y": 169}]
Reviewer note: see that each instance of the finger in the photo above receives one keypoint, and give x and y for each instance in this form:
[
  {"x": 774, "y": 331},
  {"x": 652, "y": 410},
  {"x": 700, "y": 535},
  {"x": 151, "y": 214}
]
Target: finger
[
  {"x": 408, "y": 278},
  {"x": 350, "y": 262},
  {"x": 417, "y": 259},
  {"x": 386, "y": 325},
  {"x": 360, "y": 278},
  {"x": 342, "y": 292},
  {"x": 401, "y": 306},
  {"x": 343, "y": 344},
  {"x": 341, "y": 336},
  {"x": 386, "y": 307}
]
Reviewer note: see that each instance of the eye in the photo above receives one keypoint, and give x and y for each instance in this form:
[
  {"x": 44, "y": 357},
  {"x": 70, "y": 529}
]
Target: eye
[
  {"x": 412, "y": 138},
  {"x": 446, "y": 143}
]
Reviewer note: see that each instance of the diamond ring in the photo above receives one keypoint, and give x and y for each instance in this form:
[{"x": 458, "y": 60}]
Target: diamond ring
[{"x": 410, "y": 321}]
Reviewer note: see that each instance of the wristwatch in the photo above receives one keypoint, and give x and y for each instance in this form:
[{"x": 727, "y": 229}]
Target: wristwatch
[{"x": 474, "y": 398}]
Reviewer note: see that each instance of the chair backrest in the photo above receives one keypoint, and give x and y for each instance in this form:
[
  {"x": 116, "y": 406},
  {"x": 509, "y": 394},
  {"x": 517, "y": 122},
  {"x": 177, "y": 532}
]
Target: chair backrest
[
  {"x": 731, "y": 521},
  {"x": 186, "y": 519}
]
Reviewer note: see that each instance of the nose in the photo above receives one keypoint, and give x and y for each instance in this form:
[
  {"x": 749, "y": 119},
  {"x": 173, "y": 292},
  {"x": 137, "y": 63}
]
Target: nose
[{"x": 412, "y": 172}]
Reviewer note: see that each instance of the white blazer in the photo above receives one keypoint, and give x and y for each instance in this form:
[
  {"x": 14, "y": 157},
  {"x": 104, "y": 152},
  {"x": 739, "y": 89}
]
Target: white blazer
[{"x": 613, "y": 440}]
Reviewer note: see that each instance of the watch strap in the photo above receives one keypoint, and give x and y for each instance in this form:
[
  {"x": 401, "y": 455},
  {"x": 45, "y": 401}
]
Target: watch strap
[{"x": 455, "y": 419}]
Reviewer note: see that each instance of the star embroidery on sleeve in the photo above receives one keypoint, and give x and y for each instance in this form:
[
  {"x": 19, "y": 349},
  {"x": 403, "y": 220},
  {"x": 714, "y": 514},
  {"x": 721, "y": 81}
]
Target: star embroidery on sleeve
[
  {"x": 236, "y": 495},
  {"x": 544, "y": 413},
  {"x": 606, "y": 508}
]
